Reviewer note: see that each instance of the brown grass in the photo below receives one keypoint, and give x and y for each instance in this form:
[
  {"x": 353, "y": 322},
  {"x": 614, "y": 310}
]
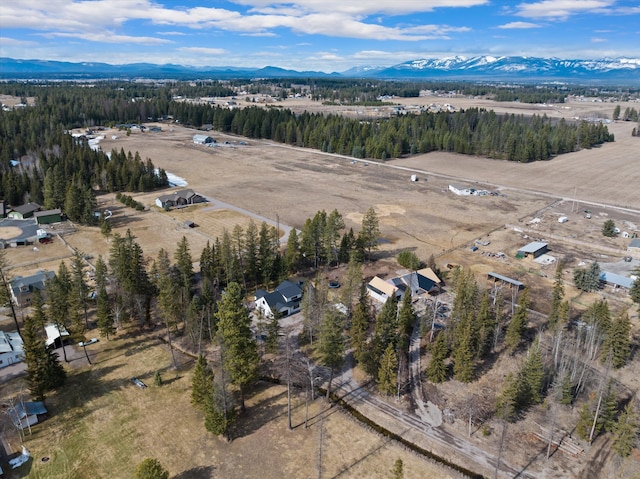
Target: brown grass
[{"x": 102, "y": 426}]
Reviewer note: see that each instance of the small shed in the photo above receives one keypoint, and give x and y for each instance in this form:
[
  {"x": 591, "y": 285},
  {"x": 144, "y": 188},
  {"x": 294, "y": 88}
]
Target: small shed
[
  {"x": 48, "y": 217},
  {"x": 533, "y": 250},
  {"x": 55, "y": 335},
  {"x": 25, "y": 414},
  {"x": 634, "y": 247}
]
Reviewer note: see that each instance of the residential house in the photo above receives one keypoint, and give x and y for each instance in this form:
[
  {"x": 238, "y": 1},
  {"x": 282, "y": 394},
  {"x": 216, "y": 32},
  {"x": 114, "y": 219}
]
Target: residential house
[
  {"x": 22, "y": 288},
  {"x": 11, "y": 349},
  {"x": 23, "y": 212},
  {"x": 285, "y": 299},
  {"x": 179, "y": 198},
  {"x": 381, "y": 290},
  {"x": 424, "y": 281}
]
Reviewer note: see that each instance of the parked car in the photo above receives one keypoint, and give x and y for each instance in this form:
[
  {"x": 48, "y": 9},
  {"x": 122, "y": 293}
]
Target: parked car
[{"x": 87, "y": 343}]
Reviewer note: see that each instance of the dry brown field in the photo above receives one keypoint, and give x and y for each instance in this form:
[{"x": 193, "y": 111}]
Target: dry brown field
[
  {"x": 290, "y": 184},
  {"x": 101, "y": 426}
]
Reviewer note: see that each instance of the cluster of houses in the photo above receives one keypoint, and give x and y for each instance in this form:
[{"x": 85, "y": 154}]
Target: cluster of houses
[
  {"x": 285, "y": 299},
  {"x": 22, "y": 290}
]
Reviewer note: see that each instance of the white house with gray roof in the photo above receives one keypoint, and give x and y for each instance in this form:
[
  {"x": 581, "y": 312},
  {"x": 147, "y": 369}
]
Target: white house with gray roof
[{"x": 285, "y": 299}]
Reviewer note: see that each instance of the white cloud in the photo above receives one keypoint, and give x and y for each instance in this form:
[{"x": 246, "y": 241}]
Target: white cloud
[
  {"x": 518, "y": 25},
  {"x": 108, "y": 37},
  {"x": 561, "y": 9},
  {"x": 204, "y": 50},
  {"x": 6, "y": 41},
  {"x": 357, "y": 7},
  {"x": 171, "y": 33},
  {"x": 341, "y": 18},
  {"x": 599, "y": 40}
]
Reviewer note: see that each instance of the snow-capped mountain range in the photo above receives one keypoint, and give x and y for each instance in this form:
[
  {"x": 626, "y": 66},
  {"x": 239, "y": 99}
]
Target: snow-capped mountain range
[
  {"x": 509, "y": 67},
  {"x": 618, "y": 70}
]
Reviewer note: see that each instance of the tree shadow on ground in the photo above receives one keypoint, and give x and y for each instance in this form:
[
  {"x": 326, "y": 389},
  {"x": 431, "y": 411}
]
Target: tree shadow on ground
[
  {"x": 200, "y": 472},
  {"x": 261, "y": 413}
]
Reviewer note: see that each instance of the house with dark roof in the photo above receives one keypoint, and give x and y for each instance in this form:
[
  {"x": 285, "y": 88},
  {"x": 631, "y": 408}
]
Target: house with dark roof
[
  {"x": 285, "y": 300},
  {"x": 179, "y": 198},
  {"x": 421, "y": 282},
  {"x": 22, "y": 288},
  {"x": 424, "y": 281},
  {"x": 23, "y": 212}
]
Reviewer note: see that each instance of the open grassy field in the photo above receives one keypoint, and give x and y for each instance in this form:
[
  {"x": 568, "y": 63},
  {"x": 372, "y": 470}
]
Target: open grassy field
[{"x": 101, "y": 426}]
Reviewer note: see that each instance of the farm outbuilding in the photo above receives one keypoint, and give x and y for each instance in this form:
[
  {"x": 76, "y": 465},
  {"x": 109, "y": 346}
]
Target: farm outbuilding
[
  {"x": 504, "y": 279},
  {"x": 203, "y": 139},
  {"x": 616, "y": 280},
  {"x": 634, "y": 247},
  {"x": 461, "y": 190},
  {"x": 10, "y": 349},
  {"x": 48, "y": 217},
  {"x": 25, "y": 211},
  {"x": 55, "y": 335},
  {"x": 533, "y": 250}
]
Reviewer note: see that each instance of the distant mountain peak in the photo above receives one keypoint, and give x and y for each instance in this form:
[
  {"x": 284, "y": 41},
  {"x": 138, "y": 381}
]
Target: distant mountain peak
[{"x": 483, "y": 67}]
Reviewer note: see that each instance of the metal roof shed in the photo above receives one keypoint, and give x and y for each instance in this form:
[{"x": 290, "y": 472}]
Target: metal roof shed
[
  {"x": 505, "y": 279},
  {"x": 535, "y": 249}
]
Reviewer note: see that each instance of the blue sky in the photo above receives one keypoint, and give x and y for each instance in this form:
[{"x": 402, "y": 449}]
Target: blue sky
[{"x": 325, "y": 35}]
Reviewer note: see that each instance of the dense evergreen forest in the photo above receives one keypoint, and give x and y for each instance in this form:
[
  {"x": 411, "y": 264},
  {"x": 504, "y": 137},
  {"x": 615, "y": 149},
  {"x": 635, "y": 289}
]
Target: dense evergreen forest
[
  {"x": 472, "y": 132},
  {"x": 40, "y": 162}
]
